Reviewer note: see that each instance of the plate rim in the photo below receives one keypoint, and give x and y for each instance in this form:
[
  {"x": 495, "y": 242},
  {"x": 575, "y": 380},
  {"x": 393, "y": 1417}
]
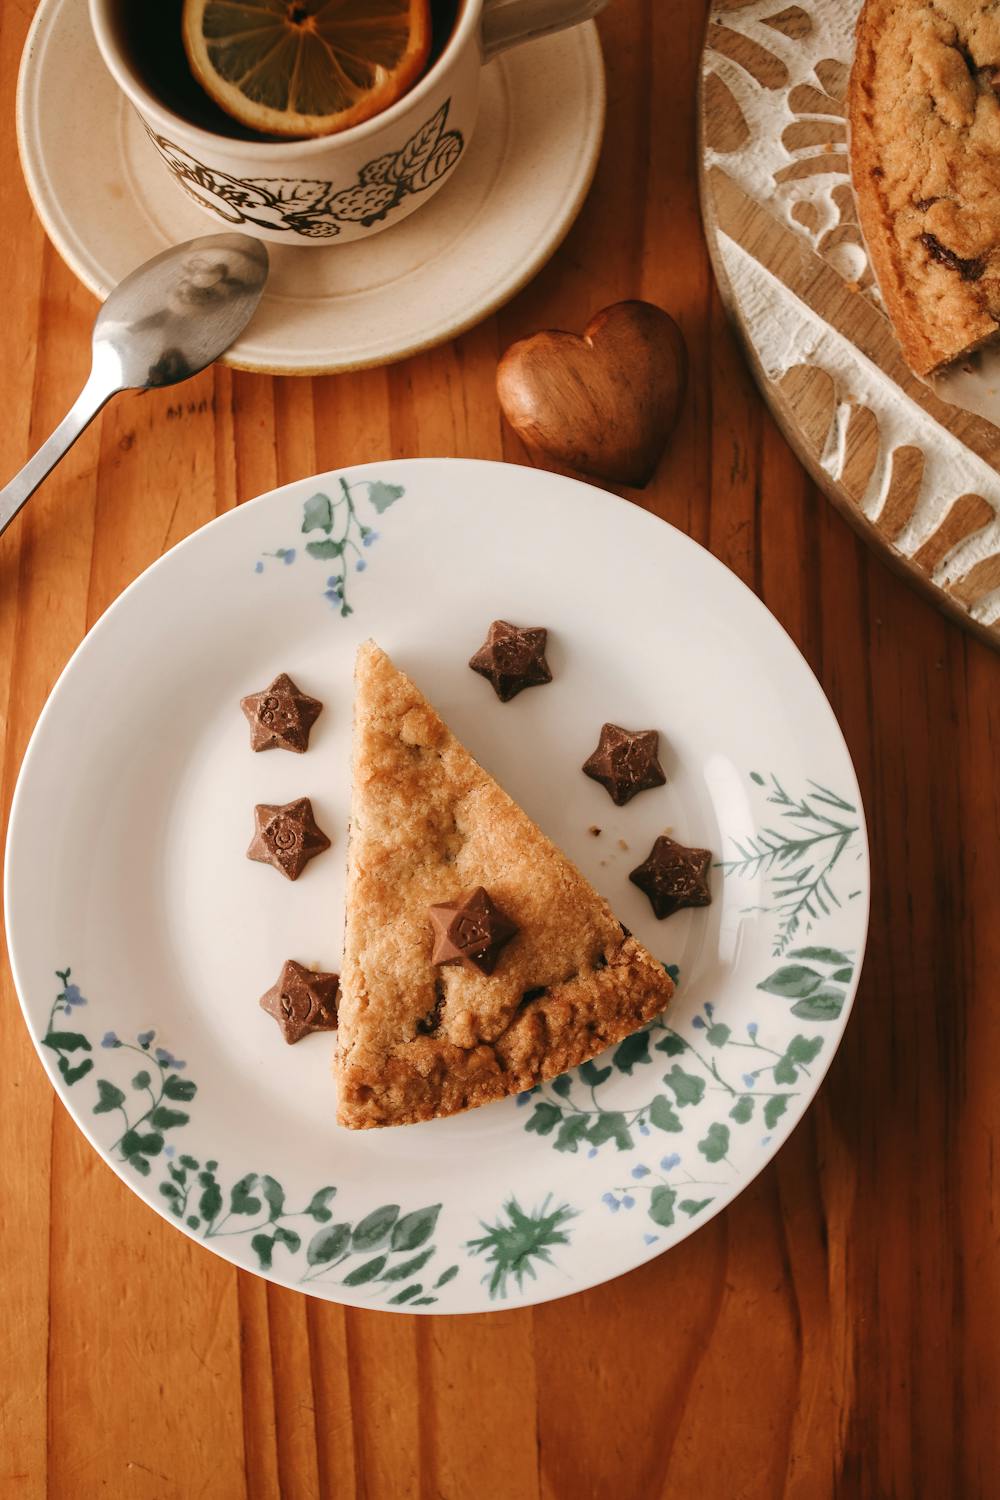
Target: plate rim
[
  {"x": 344, "y": 1296},
  {"x": 528, "y": 267}
]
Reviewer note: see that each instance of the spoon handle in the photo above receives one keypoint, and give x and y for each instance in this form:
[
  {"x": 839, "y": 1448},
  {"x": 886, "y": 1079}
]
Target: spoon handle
[{"x": 95, "y": 393}]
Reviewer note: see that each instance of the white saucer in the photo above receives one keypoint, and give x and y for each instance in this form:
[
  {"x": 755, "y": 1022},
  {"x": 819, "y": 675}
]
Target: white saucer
[{"x": 107, "y": 204}]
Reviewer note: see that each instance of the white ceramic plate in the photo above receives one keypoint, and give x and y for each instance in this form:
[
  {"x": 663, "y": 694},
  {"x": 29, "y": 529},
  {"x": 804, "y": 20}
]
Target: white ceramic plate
[
  {"x": 108, "y": 204},
  {"x": 127, "y": 885}
]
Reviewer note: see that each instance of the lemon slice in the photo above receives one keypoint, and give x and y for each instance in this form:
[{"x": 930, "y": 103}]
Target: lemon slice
[{"x": 306, "y": 67}]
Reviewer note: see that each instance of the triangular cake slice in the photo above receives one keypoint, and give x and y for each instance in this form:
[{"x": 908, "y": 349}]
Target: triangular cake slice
[{"x": 428, "y": 825}]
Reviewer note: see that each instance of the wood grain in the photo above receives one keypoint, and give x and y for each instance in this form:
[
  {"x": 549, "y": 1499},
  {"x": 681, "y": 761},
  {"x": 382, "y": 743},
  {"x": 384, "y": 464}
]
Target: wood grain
[{"x": 833, "y": 1333}]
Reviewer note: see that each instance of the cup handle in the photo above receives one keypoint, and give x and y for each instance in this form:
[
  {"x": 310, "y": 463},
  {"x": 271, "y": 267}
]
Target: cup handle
[{"x": 507, "y": 22}]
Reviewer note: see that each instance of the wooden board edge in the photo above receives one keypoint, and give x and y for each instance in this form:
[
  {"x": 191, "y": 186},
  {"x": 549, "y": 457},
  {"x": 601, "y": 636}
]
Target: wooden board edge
[{"x": 823, "y": 481}]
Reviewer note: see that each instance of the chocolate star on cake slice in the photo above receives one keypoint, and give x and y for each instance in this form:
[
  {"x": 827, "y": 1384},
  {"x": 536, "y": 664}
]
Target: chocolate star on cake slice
[{"x": 478, "y": 961}]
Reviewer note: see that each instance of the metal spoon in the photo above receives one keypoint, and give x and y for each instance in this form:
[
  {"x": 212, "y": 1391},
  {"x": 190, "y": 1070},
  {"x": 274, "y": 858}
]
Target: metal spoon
[{"x": 167, "y": 320}]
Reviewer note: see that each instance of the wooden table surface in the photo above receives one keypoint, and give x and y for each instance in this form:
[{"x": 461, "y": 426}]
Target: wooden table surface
[{"x": 835, "y": 1331}]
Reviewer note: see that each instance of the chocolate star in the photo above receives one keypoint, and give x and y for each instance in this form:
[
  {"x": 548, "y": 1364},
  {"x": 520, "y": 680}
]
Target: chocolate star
[
  {"x": 470, "y": 931},
  {"x": 674, "y": 876},
  {"x": 281, "y": 716},
  {"x": 512, "y": 659},
  {"x": 625, "y": 763},
  {"x": 286, "y": 837},
  {"x": 302, "y": 1001}
]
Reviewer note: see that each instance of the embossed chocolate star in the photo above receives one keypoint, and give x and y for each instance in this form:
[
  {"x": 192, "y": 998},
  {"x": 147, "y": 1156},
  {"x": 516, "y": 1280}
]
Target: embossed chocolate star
[
  {"x": 302, "y": 1001},
  {"x": 281, "y": 716},
  {"x": 512, "y": 659},
  {"x": 287, "y": 837},
  {"x": 625, "y": 763},
  {"x": 674, "y": 876},
  {"x": 470, "y": 931}
]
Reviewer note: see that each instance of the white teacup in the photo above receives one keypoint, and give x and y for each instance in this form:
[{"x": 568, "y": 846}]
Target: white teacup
[{"x": 342, "y": 187}]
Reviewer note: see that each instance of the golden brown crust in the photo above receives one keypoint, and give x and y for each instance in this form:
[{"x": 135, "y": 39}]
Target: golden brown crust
[
  {"x": 924, "y": 119},
  {"x": 428, "y": 823}
]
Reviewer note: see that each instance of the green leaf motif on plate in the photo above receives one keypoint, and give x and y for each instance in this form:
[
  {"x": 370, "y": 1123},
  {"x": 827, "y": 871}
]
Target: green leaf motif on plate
[
  {"x": 715, "y": 1145},
  {"x": 274, "y": 1196},
  {"x": 663, "y": 1115},
  {"x": 242, "y": 1199},
  {"x": 328, "y": 1244},
  {"x": 672, "y": 1044},
  {"x": 824, "y": 1005},
  {"x": 375, "y": 1227},
  {"x": 415, "y": 1229},
  {"x": 799, "y": 1053},
  {"x": 544, "y": 1118},
  {"x": 66, "y": 1041},
  {"x": 407, "y": 1294},
  {"x": 255, "y": 1207},
  {"x": 325, "y": 550},
  {"x": 366, "y": 1272},
  {"x": 210, "y": 1201},
  {"x": 774, "y": 1109},
  {"x": 792, "y": 980},
  {"x": 571, "y": 1132},
  {"x": 610, "y": 1125},
  {"x": 317, "y": 514},
  {"x": 383, "y": 495},
  {"x": 661, "y": 1206},
  {"x": 802, "y": 860},
  {"x": 817, "y": 996},
  {"x": 408, "y": 1267},
  {"x": 593, "y": 1076},
  {"x": 318, "y": 1207},
  {"x": 687, "y": 1088},
  {"x": 634, "y": 1049},
  {"x": 181, "y": 1090},
  {"x": 518, "y": 1242},
  {"x": 108, "y": 1097},
  {"x": 167, "y": 1119},
  {"x": 824, "y": 956},
  {"x": 347, "y": 540}
]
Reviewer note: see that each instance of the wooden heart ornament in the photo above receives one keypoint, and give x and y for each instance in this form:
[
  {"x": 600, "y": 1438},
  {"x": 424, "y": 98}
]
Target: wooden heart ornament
[{"x": 604, "y": 402}]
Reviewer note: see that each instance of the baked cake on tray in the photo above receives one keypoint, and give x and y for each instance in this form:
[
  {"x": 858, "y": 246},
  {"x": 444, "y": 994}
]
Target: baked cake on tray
[
  {"x": 478, "y": 961},
  {"x": 924, "y": 113}
]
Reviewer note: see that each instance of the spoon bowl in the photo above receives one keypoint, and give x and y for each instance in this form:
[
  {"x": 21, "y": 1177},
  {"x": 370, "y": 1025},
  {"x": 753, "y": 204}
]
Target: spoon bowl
[{"x": 168, "y": 319}]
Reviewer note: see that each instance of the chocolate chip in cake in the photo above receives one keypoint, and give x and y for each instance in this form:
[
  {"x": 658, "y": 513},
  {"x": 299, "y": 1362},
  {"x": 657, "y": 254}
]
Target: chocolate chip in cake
[
  {"x": 625, "y": 762},
  {"x": 302, "y": 1001},
  {"x": 470, "y": 931},
  {"x": 512, "y": 659},
  {"x": 287, "y": 836},
  {"x": 674, "y": 876},
  {"x": 968, "y": 270},
  {"x": 430, "y": 1024},
  {"x": 281, "y": 716}
]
